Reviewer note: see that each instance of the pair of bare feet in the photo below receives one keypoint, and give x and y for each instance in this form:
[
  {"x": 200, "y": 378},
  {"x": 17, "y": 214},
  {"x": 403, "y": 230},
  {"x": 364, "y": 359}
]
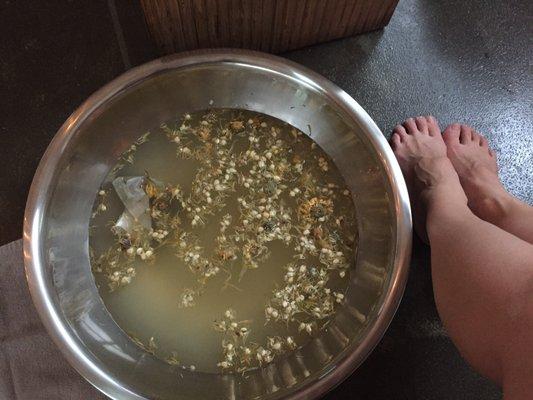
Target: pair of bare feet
[
  {"x": 481, "y": 248},
  {"x": 458, "y": 166}
]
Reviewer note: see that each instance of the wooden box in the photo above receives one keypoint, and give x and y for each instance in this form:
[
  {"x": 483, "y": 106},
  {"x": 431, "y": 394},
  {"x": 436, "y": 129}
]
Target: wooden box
[{"x": 268, "y": 25}]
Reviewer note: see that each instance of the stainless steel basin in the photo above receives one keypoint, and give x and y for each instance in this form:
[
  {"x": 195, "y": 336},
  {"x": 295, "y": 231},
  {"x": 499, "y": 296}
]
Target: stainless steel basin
[{"x": 86, "y": 147}]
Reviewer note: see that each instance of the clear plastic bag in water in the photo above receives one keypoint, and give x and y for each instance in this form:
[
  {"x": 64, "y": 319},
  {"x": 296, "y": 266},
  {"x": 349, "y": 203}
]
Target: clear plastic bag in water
[{"x": 136, "y": 204}]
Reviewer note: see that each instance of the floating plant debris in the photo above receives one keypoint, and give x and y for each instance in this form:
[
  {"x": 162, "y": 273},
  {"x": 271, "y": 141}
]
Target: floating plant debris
[{"x": 223, "y": 239}]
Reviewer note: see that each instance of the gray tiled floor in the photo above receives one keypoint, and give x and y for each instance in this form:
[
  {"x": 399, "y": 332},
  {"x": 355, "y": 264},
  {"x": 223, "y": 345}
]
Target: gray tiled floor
[{"x": 460, "y": 60}]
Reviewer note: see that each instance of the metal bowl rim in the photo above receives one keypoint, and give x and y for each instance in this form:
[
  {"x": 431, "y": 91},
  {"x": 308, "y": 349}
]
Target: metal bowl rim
[{"x": 39, "y": 195}]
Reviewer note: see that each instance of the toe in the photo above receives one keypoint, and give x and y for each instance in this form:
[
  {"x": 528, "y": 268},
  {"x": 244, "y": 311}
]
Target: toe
[
  {"x": 465, "y": 135},
  {"x": 494, "y": 158},
  {"x": 451, "y": 134},
  {"x": 476, "y": 138},
  {"x": 483, "y": 142},
  {"x": 395, "y": 140},
  {"x": 433, "y": 125},
  {"x": 410, "y": 126},
  {"x": 421, "y": 124},
  {"x": 400, "y": 130}
]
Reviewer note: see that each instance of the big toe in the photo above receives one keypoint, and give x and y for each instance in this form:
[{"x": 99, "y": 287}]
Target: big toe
[{"x": 451, "y": 134}]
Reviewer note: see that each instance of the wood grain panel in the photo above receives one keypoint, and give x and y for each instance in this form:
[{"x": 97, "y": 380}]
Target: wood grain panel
[{"x": 267, "y": 25}]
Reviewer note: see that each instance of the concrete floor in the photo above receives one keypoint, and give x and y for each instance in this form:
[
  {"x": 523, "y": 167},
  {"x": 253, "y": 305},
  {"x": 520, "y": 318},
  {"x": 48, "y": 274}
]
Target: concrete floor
[{"x": 464, "y": 61}]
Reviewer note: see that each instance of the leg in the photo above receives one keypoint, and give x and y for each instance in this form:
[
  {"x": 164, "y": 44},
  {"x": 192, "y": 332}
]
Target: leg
[
  {"x": 482, "y": 275},
  {"x": 483, "y": 283},
  {"x": 476, "y": 165}
]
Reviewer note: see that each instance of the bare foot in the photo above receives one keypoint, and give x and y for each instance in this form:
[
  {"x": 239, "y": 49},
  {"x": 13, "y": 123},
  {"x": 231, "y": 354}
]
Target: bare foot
[
  {"x": 476, "y": 166},
  {"x": 429, "y": 174}
]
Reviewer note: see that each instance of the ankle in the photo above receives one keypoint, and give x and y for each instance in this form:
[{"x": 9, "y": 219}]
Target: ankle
[
  {"x": 495, "y": 207},
  {"x": 445, "y": 202}
]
